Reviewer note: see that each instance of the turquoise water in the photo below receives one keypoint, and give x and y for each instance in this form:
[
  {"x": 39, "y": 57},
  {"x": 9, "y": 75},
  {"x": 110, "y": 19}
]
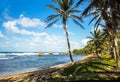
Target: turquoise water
[{"x": 11, "y": 63}]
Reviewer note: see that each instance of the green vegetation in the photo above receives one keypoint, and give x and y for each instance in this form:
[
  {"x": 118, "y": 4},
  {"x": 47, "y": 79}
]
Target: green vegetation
[
  {"x": 96, "y": 69},
  {"x": 86, "y": 50},
  {"x": 110, "y": 19}
]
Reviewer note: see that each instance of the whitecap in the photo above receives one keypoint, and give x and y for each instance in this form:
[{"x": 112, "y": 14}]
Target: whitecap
[
  {"x": 7, "y": 58},
  {"x": 23, "y": 54}
]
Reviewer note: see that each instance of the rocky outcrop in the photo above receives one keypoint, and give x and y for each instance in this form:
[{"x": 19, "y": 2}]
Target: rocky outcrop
[{"x": 40, "y": 53}]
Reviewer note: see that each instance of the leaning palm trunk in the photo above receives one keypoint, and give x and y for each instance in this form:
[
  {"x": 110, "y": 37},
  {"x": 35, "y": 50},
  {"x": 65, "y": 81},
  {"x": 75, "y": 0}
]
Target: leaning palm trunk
[
  {"x": 68, "y": 42},
  {"x": 67, "y": 9}
]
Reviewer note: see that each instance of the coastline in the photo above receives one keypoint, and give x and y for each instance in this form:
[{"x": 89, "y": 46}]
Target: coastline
[{"x": 42, "y": 72}]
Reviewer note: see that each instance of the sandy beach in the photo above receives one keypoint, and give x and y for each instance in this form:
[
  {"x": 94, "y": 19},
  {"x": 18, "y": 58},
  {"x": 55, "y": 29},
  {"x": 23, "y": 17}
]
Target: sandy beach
[{"x": 39, "y": 74}]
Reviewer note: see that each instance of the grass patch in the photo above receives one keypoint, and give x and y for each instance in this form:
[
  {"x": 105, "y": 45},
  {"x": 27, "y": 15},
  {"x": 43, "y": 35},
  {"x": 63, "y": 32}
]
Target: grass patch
[{"x": 90, "y": 70}]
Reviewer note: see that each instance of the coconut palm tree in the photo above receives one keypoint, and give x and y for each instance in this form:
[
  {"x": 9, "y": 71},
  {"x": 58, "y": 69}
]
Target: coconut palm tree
[
  {"x": 96, "y": 39},
  {"x": 107, "y": 11},
  {"x": 66, "y": 9},
  {"x": 115, "y": 14}
]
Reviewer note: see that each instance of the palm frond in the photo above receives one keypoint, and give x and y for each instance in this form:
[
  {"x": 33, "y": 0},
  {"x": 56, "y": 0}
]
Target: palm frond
[
  {"x": 97, "y": 22},
  {"x": 60, "y": 3},
  {"x": 92, "y": 13},
  {"x": 76, "y": 17},
  {"x": 52, "y": 17},
  {"x": 105, "y": 5},
  {"x": 50, "y": 24},
  {"x": 71, "y": 2},
  {"x": 92, "y": 33},
  {"x": 74, "y": 11},
  {"x": 76, "y": 22},
  {"x": 89, "y": 37},
  {"x": 102, "y": 25},
  {"x": 66, "y": 5},
  {"x": 93, "y": 19},
  {"x": 78, "y": 4},
  {"x": 89, "y": 8},
  {"x": 54, "y": 8}
]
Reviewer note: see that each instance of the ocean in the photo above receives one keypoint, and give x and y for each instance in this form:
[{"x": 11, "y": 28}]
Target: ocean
[{"x": 14, "y": 63}]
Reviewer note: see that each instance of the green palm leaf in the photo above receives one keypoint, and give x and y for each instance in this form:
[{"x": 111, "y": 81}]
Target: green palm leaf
[
  {"x": 76, "y": 22},
  {"x": 54, "y": 8},
  {"x": 76, "y": 17},
  {"x": 97, "y": 22},
  {"x": 50, "y": 24},
  {"x": 93, "y": 19},
  {"x": 78, "y": 4},
  {"x": 52, "y": 17}
]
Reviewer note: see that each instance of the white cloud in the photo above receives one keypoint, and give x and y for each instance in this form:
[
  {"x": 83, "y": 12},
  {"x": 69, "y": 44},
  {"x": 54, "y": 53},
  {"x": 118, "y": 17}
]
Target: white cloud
[
  {"x": 1, "y": 35},
  {"x": 12, "y": 26},
  {"x": 53, "y": 43},
  {"x": 27, "y": 22},
  {"x": 45, "y": 42},
  {"x": 41, "y": 41},
  {"x": 84, "y": 41},
  {"x": 49, "y": 42},
  {"x": 75, "y": 45}
]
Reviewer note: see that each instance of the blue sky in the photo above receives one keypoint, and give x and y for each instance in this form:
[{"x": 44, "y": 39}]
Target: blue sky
[{"x": 22, "y": 28}]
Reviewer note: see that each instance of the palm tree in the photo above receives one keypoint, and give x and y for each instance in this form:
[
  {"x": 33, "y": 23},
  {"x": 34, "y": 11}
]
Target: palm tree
[
  {"x": 67, "y": 9},
  {"x": 114, "y": 9},
  {"x": 96, "y": 39},
  {"x": 107, "y": 11}
]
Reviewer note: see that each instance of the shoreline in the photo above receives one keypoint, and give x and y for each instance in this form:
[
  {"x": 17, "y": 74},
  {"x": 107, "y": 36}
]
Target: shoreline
[{"x": 41, "y": 72}]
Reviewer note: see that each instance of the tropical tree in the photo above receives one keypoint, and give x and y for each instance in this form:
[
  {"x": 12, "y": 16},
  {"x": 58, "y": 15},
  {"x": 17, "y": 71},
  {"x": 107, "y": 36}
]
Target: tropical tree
[
  {"x": 66, "y": 9},
  {"x": 96, "y": 39},
  {"x": 107, "y": 11}
]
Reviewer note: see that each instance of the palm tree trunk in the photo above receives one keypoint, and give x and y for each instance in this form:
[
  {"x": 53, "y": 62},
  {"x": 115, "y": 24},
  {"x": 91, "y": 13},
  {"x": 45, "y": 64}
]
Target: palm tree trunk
[
  {"x": 114, "y": 29},
  {"x": 68, "y": 42},
  {"x": 111, "y": 48},
  {"x": 97, "y": 52},
  {"x": 115, "y": 50},
  {"x": 110, "y": 31}
]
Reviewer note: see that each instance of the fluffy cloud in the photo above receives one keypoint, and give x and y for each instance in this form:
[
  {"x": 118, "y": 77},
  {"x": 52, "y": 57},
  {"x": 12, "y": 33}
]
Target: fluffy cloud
[
  {"x": 24, "y": 22},
  {"x": 40, "y": 42},
  {"x": 45, "y": 42},
  {"x": 49, "y": 43},
  {"x": 1, "y": 35},
  {"x": 53, "y": 43},
  {"x": 11, "y": 26},
  {"x": 27, "y": 22}
]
